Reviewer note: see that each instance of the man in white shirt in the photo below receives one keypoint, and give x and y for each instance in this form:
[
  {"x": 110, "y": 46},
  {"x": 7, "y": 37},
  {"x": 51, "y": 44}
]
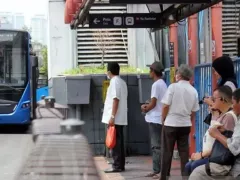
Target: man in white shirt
[
  {"x": 179, "y": 103},
  {"x": 153, "y": 116},
  {"x": 115, "y": 114}
]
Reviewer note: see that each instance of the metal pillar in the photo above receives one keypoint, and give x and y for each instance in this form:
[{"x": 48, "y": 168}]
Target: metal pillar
[
  {"x": 216, "y": 17},
  {"x": 192, "y": 61},
  {"x": 173, "y": 38}
]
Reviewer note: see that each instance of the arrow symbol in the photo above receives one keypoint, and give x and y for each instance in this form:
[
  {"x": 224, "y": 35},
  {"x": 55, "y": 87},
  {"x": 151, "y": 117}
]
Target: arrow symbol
[{"x": 96, "y": 21}]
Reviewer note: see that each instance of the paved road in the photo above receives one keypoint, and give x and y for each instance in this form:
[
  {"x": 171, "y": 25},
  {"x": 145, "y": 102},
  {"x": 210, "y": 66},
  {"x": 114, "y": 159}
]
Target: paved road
[{"x": 13, "y": 151}]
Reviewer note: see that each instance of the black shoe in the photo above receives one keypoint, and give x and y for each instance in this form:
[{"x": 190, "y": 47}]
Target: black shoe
[{"x": 111, "y": 170}]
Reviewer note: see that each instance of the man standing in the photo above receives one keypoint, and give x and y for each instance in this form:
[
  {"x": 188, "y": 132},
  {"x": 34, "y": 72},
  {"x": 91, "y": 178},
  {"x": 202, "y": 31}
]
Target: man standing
[
  {"x": 179, "y": 103},
  {"x": 153, "y": 116},
  {"x": 115, "y": 114}
]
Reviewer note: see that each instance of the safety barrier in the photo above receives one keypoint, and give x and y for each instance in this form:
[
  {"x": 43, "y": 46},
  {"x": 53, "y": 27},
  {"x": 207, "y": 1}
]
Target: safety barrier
[
  {"x": 203, "y": 84},
  {"x": 61, "y": 150}
]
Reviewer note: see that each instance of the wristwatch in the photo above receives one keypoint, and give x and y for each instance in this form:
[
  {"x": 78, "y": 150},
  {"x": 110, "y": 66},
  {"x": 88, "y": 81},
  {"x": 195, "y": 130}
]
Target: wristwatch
[{"x": 112, "y": 117}]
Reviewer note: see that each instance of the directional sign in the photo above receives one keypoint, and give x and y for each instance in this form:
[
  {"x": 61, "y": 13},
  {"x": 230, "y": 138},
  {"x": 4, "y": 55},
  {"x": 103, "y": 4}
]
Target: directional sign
[
  {"x": 139, "y": 20},
  {"x": 159, "y": 1}
]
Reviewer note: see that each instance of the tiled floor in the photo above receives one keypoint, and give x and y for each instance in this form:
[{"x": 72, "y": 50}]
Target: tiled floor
[{"x": 136, "y": 169}]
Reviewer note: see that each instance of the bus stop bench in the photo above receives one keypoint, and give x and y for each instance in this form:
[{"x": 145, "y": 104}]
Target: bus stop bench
[{"x": 60, "y": 157}]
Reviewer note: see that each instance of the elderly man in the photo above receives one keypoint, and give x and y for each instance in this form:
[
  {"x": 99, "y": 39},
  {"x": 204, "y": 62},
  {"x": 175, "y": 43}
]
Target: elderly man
[
  {"x": 179, "y": 103},
  {"x": 233, "y": 144}
]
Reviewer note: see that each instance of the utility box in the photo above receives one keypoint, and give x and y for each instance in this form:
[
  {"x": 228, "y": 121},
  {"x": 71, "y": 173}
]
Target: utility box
[
  {"x": 72, "y": 90},
  {"x": 144, "y": 87}
]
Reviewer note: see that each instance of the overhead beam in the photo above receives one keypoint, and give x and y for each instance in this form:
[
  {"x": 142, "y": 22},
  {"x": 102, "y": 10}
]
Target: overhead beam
[
  {"x": 171, "y": 15},
  {"x": 82, "y": 14}
]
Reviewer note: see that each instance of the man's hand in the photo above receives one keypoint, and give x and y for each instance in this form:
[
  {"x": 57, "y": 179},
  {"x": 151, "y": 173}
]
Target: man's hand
[
  {"x": 143, "y": 108},
  {"x": 214, "y": 132},
  {"x": 208, "y": 101},
  {"x": 111, "y": 122},
  {"x": 196, "y": 156}
]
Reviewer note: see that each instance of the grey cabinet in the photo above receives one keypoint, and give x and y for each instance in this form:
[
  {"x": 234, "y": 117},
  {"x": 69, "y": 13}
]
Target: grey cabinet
[
  {"x": 144, "y": 87},
  {"x": 71, "y": 89}
]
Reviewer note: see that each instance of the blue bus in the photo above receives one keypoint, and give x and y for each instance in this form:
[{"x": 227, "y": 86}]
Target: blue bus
[{"x": 18, "y": 73}]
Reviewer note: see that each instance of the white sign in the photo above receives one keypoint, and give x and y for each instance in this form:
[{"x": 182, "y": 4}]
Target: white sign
[
  {"x": 129, "y": 21},
  {"x": 117, "y": 21},
  {"x": 213, "y": 47}
]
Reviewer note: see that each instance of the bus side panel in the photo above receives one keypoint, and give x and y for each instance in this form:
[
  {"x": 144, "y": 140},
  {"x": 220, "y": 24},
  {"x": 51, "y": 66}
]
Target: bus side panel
[{"x": 22, "y": 112}]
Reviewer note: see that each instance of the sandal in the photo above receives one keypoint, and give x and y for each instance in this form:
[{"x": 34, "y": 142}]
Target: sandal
[
  {"x": 152, "y": 174},
  {"x": 156, "y": 176}
]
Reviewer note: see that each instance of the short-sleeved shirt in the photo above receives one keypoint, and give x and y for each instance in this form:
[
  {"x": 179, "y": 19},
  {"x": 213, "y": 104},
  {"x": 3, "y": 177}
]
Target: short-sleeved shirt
[
  {"x": 117, "y": 89},
  {"x": 228, "y": 120},
  {"x": 159, "y": 88},
  {"x": 182, "y": 99}
]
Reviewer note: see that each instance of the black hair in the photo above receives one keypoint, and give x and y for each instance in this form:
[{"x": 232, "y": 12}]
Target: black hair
[
  {"x": 236, "y": 95},
  {"x": 158, "y": 74},
  {"x": 225, "y": 92},
  {"x": 225, "y": 68},
  {"x": 114, "y": 68}
]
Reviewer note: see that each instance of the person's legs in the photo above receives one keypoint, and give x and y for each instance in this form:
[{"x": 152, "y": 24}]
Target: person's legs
[
  {"x": 197, "y": 163},
  {"x": 155, "y": 133},
  {"x": 168, "y": 142},
  {"x": 118, "y": 151},
  {"x": 183, "y": 146},
  {"x": 188, "y": 167},
  {"x": 122, "y": 150},
  {"x": 200, "y": 174}
]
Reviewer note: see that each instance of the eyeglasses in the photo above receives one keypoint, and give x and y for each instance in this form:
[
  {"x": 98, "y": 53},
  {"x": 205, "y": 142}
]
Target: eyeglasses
[{"x": 221, "y": 99}]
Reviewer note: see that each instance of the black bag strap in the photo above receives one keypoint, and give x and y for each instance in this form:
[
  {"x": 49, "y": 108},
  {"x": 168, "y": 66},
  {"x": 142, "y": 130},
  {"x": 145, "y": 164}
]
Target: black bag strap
[{"x": 207, "y": 168}]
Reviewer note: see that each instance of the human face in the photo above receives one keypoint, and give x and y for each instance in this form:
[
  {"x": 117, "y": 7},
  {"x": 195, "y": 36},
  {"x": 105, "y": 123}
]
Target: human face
[
  {"x": 177, "y": 77},
  {"x": 217, "y": 100},
  {"x": 108, "y": 74},
  {"x": 236, "y": 107},
  {"x": 151, "y": 73},
  {"x": 216, "y": 74}
]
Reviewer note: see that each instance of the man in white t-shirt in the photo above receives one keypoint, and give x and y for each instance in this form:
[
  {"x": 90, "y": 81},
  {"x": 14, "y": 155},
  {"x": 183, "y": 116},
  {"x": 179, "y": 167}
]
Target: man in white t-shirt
[
  {"x": 115, "y": 114},
  {"x": 153, "y": 116},
  {"x": 179, "y": 103}
]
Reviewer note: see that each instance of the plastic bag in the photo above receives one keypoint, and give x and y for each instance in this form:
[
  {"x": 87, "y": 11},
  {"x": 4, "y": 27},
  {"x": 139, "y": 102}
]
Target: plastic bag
[{"x": 111, "y": 137}]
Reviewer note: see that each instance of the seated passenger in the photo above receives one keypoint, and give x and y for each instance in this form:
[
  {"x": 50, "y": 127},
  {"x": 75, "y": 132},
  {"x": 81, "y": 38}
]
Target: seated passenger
[
  {"x": 233, "y": 144},
  {"x": 222, "y": 102}
]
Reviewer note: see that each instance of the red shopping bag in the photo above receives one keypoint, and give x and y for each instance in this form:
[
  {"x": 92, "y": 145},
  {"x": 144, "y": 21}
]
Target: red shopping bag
[{"x": 111, "y": 137}]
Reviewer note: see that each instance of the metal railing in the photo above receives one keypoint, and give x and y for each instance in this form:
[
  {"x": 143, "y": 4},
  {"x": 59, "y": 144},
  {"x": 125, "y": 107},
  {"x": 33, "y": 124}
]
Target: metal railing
[{"x": 203, "y": 84}]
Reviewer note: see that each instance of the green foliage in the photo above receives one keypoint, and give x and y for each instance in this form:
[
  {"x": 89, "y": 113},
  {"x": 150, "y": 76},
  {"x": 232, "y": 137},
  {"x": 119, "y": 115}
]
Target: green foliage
[
  {"x": 100, "y": 70},
  {"x": 44, "y": 67}
]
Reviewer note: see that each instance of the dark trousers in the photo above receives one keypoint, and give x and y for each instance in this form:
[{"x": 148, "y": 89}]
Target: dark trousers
[
  {"x": 118, "y": 152},
  {"x": 170, "y": 136},
  {"x": 155, "y": 134}
]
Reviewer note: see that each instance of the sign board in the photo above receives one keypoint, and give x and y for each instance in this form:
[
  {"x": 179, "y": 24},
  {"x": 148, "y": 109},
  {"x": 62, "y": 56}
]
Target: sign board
[
  {"x": 171, "y": 53},
  {"x": 158, "y": 1},
  {"x": 105, "y": 86},
  {"x": 133, "y": 20},
  {"x": 172, "y": 74},
  {"x": 213, "y": 48}
]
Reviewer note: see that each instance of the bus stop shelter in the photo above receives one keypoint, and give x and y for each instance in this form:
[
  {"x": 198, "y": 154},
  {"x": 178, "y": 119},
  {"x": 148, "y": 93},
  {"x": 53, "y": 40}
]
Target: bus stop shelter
[{"x": 77, "y": 11}]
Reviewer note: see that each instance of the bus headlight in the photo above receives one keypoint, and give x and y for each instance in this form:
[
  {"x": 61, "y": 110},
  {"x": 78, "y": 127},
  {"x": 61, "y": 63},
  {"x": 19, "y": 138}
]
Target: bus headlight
[{"x": 25, "y": 105}]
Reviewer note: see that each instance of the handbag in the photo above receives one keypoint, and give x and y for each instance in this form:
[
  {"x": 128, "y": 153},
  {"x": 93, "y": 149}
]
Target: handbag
[
  {"x": 111, "y": 137},
  {"x": 208, "y": 119},
  {"x": 220, "y": 154}
]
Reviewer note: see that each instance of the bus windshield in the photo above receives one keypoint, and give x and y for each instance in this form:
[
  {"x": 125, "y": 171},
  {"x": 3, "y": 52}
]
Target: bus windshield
[{"x": 13, "y": 64}]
